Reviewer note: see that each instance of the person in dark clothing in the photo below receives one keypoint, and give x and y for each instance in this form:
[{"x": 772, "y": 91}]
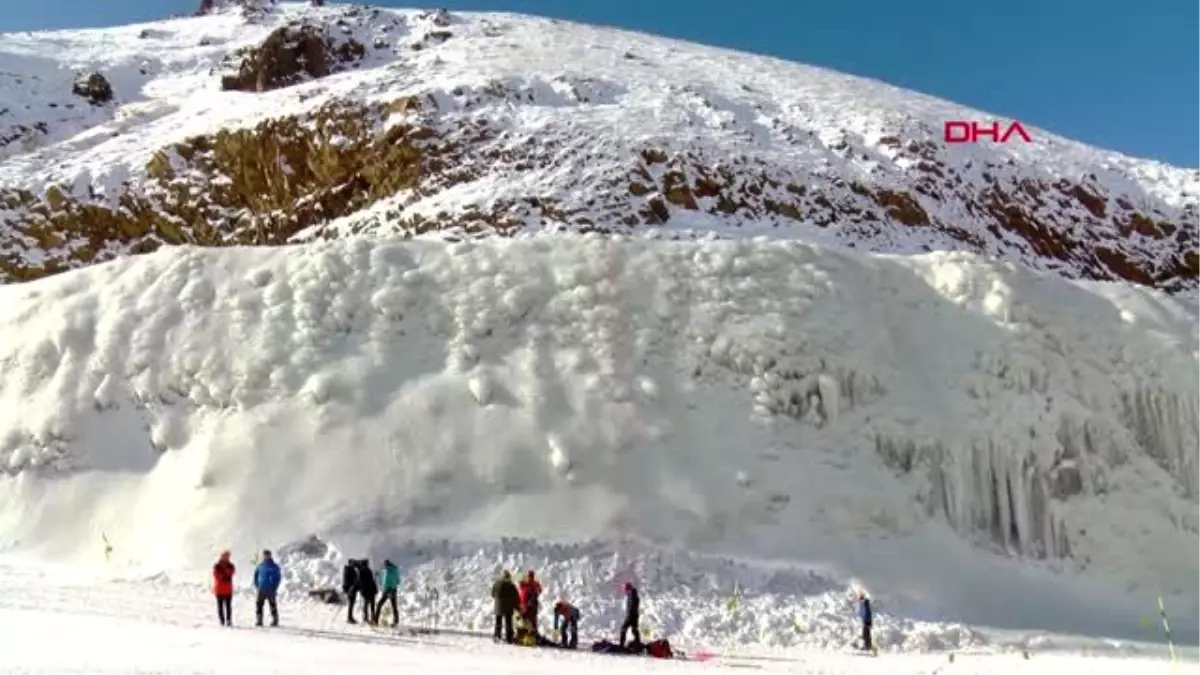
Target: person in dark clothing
[
  {"x": 350, "y": 587},
  {"x": 633, "y": 611},
  {"x": 505, "y": 594},
  {"x": 368, "y": 589},
  {"x": 864, "y": 613},
  {"x": 223, "y": 572},
  {"x": 569, "y": 615},
  {"x": 267, "y": 578}
]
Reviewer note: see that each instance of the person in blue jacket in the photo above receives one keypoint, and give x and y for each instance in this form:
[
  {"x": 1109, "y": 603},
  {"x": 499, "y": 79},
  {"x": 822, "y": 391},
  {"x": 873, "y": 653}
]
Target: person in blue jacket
[
  {"x": 267, "y": 578},
  {"x": 864, "y": 613}
]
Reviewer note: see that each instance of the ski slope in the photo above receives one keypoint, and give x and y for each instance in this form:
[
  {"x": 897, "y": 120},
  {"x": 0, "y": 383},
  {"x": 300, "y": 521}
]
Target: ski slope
[{"x": 780, "y": 416}]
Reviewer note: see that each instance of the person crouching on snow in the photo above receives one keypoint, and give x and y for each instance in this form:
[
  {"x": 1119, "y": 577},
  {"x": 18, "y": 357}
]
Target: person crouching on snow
[{"x": 569, "y": 615}]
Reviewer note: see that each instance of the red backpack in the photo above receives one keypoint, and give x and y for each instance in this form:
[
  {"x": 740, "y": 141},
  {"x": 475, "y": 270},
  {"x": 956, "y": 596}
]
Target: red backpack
[{"x": 659, "y": 649}]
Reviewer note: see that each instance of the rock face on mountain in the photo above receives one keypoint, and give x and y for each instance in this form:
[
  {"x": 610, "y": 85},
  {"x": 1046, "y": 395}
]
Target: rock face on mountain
[{"x": 291, "y": 122}]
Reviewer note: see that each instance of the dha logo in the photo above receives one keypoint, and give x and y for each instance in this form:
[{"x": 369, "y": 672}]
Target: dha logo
[{"x": 965, "y": 131}]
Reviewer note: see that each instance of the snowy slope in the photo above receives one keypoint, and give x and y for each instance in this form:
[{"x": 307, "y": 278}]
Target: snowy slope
[
  {"x": 477, "y": 124},
  {"x": 637, "y": 408}
]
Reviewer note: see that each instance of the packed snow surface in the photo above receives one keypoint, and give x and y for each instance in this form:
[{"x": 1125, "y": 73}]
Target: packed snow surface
[
  {"x": 148, "y": 625},
  {"x": 975, "y": 443},
  {"x": 138, "y": 625}
]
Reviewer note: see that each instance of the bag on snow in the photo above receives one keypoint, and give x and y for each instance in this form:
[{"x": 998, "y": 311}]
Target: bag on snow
[
  {"x": 328, "y": 596},
  {"x": 659, "y": 649}
]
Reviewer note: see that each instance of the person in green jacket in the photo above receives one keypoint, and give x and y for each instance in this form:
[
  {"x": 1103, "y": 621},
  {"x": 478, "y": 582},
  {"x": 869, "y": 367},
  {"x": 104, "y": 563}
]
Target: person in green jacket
[{"x": 389, "y": 581}]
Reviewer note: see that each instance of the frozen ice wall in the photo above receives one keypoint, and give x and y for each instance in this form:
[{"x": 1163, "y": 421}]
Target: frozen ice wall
[{"x": 768, "y": 398}]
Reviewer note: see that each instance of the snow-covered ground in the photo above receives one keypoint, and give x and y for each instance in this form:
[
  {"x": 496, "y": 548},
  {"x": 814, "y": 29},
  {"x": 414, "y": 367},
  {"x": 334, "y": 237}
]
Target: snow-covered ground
[
  {"x": 68, "y": 620},
  {"x": 985, "y": 448}
]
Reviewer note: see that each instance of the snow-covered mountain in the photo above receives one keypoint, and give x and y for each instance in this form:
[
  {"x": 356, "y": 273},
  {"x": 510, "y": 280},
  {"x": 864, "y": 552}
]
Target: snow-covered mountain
[{"x": 292, "y": 123}]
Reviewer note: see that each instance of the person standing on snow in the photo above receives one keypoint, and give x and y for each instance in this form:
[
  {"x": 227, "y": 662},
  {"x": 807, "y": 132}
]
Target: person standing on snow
[
  {"x": 864, "y": 613},
  {"x": 267, "y": 577},
  {"x": 350, "y": 587},
  {"x": 507, "y": 598},
  {"x": 389, "y": 581},
  {"x": 223, "y": 572},
  {"x": 569, "y": 614},
  {"x": 633, "y": 614},
  {"x": 368, "y": 589},
  {"x": 530, "y": 591}
]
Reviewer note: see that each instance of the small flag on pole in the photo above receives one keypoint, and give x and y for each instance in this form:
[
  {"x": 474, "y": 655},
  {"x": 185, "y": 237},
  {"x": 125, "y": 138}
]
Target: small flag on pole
[{"x": 1166, "y": 626}]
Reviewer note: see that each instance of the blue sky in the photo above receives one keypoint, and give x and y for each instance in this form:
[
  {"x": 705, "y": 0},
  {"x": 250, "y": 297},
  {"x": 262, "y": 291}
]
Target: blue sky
[{"x": 1118, "y": 74}]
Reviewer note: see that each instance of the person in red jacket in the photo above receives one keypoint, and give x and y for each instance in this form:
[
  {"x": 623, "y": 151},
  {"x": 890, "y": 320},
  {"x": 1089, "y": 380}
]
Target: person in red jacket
[
  {"x": 223, "y": 588},
  {"x": 529, "y": 591}
]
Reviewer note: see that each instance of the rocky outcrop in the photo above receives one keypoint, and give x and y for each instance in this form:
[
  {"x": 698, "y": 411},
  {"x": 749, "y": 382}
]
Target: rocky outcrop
[
  {"x": 288, "y": 179},
  {"x": 94, "y": 88},
  {"x": 247, "y": 7},
  {"x": 289, "y": 55}
]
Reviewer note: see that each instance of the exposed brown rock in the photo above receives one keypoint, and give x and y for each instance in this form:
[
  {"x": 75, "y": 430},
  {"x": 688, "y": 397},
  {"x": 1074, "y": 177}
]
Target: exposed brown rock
[
  {"x": 654, "y": 156},
  {"x": 1092, "y": 202},
  {"x": 289, "y": 55},
  {"x": 94, "y": 88},
  {"x": 902, "y": 207},
  {"x": 655, "y": 212},
  {"x": 1119, "y": 265},
  {"x": 1012, "y": 217}
]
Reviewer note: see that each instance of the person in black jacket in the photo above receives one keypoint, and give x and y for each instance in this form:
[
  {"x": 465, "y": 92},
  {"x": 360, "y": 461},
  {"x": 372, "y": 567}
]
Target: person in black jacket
[
  {"x": 633, "y": 610},
  {"x": 368, "y": 589},
  {"x": 504, "y": 592},
  {"x": 350, "y": 587},
  {"x": 864, "y": 613}
]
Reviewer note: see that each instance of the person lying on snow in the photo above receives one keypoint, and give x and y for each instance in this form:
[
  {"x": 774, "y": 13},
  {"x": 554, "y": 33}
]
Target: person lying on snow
[
  {"x": 659, "y": 649},
  {"x": 569, "y": 616},
  {"x": 530, "y": 591},
  {"x": 528, "y": 637}
]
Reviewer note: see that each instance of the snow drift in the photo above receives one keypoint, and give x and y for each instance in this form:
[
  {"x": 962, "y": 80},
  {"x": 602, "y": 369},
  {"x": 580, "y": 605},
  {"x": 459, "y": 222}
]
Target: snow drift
[{"x": 831, "y": 411}]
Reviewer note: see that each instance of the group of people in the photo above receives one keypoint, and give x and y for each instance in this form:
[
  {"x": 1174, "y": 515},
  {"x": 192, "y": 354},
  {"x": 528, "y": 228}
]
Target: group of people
[
  {"x": 523, "y": 601},
  {"x": 267, "y": 577},
  {"x": 359, "y": 581}
]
